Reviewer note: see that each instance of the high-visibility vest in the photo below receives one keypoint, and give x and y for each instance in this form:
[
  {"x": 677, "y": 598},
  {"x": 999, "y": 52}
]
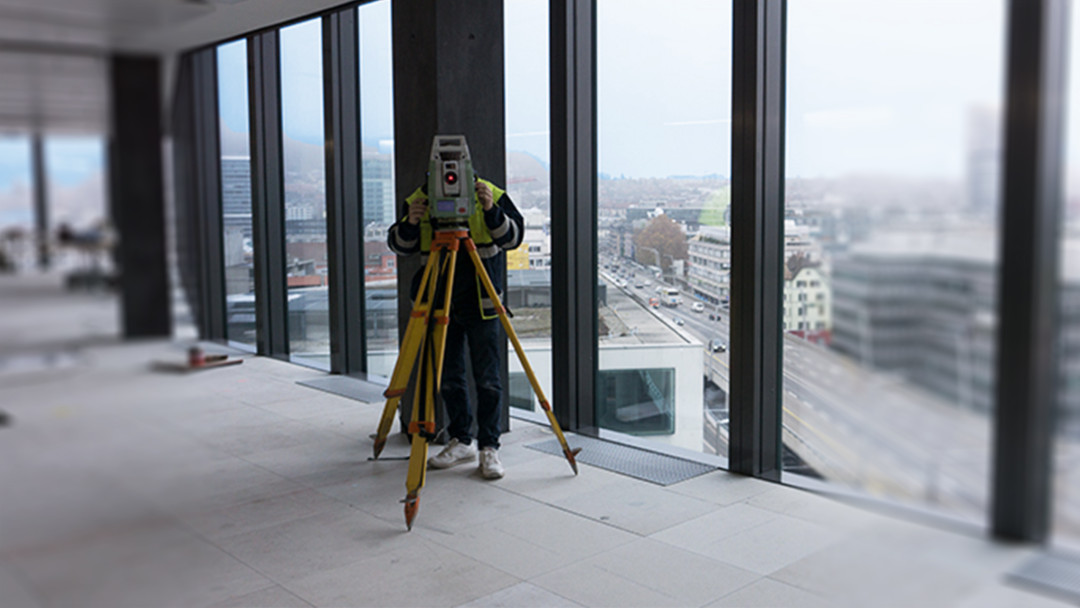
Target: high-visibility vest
[{"x": 478, "y": 230}]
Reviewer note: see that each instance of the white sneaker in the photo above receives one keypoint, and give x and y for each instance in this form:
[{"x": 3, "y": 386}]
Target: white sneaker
[
  {"x": 453, "y": 454},
  {"x": 490, "y": 467}
]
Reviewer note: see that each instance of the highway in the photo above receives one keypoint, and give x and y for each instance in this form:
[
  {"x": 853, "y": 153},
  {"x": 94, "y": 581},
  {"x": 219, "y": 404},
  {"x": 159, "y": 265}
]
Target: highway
[{"x": 858, "y": 427}]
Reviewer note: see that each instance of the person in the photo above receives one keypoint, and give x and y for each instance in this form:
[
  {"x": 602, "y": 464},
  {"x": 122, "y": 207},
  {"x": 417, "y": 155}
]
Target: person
[{"x": 495, "y": 226}]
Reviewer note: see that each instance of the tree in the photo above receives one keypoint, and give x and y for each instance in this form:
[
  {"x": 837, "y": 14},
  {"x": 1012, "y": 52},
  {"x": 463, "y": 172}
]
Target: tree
[{"x": 662, "y": 238}]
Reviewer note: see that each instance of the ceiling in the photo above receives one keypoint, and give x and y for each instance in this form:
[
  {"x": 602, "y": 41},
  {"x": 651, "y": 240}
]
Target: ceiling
[{"x": 54, "y": 53}]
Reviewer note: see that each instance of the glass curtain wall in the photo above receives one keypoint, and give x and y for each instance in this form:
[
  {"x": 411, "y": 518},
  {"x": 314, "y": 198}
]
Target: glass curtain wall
[
  {"x": 891, "y": 246},
  {"x": 236, "y": 214},
  {"x": 75, "y": 173},
  {"x": 1066, "y": 472},
  {"x": 664, "y": 232},
  {"x": 528, "y": 183},
  {"x": 377, "y": 160},
  {"x": 303, "y": 155},
  {"x": 16, "y": 204}
]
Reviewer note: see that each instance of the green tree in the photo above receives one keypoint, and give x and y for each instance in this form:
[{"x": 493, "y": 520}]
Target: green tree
[{"x": 660, "y": 236}]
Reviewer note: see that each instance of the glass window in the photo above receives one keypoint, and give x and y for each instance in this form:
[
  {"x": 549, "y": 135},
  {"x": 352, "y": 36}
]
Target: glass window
[
  {"x": 891, "y": 207},
  {"x": 236, "y": 226},
  {"x": 1066, "y": 479},
  {"x": 303, "y": 154},
  {"x": 528, "y": 183},
  {"x": 377, "y": 159},
  {"x": 637, "y": 401},
  {"x": 664, "y": 110},
  {"x": 17, "y": 249}
]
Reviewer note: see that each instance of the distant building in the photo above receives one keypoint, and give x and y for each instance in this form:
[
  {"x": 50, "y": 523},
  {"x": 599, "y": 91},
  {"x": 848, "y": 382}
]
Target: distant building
[
  {"x": 922, "y": 304},
  {"x": 709, "y": 274},
  {"x": 983, "y": 170},
  {"x": 807, "y": 309},
  {"x": 378, "y": 177}
]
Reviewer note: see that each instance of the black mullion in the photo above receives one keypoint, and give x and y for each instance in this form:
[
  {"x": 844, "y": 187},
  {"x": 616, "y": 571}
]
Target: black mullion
[
  {"x": 344, "y": 224},
  {"x": 41, "y": 204},
  {"x": 757, "y": 244},
  {"x": 208, "y": 177},
  {"x": 1027, "y": 344},
  {"x": 268, "y": 212},
  {"x": 573, "y": 211}
]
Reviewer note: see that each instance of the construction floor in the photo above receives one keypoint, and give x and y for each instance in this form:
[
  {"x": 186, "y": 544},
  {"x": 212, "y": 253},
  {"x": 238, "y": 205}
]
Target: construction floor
[{"x": 124, "y": 486}]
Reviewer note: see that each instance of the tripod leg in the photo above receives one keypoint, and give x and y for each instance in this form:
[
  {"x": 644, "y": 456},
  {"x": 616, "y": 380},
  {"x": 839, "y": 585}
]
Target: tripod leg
[
  {"x": 570, "y": 454},
  {"x": 415, "y": 332},
  {"x": 442, "y": 318},
  {"x": 422, "y": 427}
]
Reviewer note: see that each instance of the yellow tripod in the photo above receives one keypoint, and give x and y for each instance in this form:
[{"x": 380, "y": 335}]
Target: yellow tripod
[{"x": 422, "y": 350}]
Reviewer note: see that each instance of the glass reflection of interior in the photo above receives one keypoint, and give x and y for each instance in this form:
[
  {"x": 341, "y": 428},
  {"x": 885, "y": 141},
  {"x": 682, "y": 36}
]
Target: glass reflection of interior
[
  {"x": 1066, "y": 471},
  {"x": 890, "y": 249}
]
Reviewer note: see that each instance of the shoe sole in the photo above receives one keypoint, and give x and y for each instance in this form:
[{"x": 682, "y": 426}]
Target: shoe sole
[{"x": 489, "y": 475}]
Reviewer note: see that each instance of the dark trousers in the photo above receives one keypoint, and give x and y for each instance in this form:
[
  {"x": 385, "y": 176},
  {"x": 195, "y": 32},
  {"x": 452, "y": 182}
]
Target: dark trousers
[{"x": 483, "y": 338}]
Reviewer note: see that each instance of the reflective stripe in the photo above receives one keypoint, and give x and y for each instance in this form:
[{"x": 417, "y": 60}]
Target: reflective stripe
[
  {"x": 503, "y": 228},
  {"x": 403, "y": 244},
  {"x": 488, "y": 250}
]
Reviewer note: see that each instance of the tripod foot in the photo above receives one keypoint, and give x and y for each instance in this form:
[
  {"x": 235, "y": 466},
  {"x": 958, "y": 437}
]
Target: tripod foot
[
  {"x": 377, "y": 448},
  {"x": 570, "y": 457},
  {"x": 412, "y": 505}
]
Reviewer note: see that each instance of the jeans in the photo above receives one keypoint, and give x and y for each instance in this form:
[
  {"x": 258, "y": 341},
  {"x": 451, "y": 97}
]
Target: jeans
[{"x": 483, "y": 337}]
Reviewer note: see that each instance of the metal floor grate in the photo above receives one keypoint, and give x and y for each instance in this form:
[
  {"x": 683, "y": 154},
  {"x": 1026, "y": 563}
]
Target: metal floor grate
[
  {"x": 353, "y": 388},
  {"x": 635, "y": 462},
  {"x": 1055, "y": 573}
]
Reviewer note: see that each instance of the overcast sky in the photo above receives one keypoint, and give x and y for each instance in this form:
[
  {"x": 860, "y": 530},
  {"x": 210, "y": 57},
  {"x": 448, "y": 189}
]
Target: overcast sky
[{"x": 873, "y": 88}]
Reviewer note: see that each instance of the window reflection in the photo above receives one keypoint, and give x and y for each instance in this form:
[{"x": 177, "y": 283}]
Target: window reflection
[
  {"x": 1066, "y": 479},
  {"x": 528, "y": 183},
  {"x": 890, "y": 247},
  {"x": 379, "y": 201},
  {"x": 664, "y": 233},
  {"x": 17, "y": 248},
  {"x": 236, "y": 226},
  {"x": 303, "y": 154}
]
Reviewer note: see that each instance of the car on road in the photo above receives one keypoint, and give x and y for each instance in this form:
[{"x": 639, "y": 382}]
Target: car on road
[
  {"x": 697, "y": 307},
  {"x": 717, "y": 345},
  {"x": 678, "y": 320}
]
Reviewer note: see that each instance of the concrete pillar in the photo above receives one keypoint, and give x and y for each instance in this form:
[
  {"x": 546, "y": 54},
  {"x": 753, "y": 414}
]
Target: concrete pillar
[{"x": 137, "y": 202}]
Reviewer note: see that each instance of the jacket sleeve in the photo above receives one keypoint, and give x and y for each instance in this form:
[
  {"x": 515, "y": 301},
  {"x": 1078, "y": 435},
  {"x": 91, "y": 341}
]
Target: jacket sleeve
[
  {"x": 404, "y": 238},
  {"x": 505, "y": 223}
]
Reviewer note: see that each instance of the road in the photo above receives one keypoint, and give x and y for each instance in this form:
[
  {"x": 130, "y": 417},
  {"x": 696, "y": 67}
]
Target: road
[{"x": 855, "y": 426}]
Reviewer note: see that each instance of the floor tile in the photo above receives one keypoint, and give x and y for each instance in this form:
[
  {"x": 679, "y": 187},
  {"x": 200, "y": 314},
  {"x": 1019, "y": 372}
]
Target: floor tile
[
  {"x": 299, "y": 548},
  {"x": 721, "y": 487},
  {"x": 704, "y": 534},
  {"x": 677, "y": 573},
  {"x": 767, "y": 592},
  {"x": 636, "y": 506},
  {"x": 274, "y": 596},
  {"x": 262, "y": 512},
  {"x": 535, "y": 541},
  {"x": 774, "y": 544},
  {"x": 521, "y": 595},
  {"x": 417, "y": 572}
]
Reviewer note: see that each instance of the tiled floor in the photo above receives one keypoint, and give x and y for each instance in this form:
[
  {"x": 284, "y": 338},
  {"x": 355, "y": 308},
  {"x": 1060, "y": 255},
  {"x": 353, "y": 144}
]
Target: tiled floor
[{"x": 238, "y": 487}]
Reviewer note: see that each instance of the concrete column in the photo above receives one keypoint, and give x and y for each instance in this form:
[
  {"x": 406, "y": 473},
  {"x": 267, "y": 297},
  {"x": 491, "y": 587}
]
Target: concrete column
[
  {"x": 448, "y": 79},
  {"x": 137, "y": 202}
]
